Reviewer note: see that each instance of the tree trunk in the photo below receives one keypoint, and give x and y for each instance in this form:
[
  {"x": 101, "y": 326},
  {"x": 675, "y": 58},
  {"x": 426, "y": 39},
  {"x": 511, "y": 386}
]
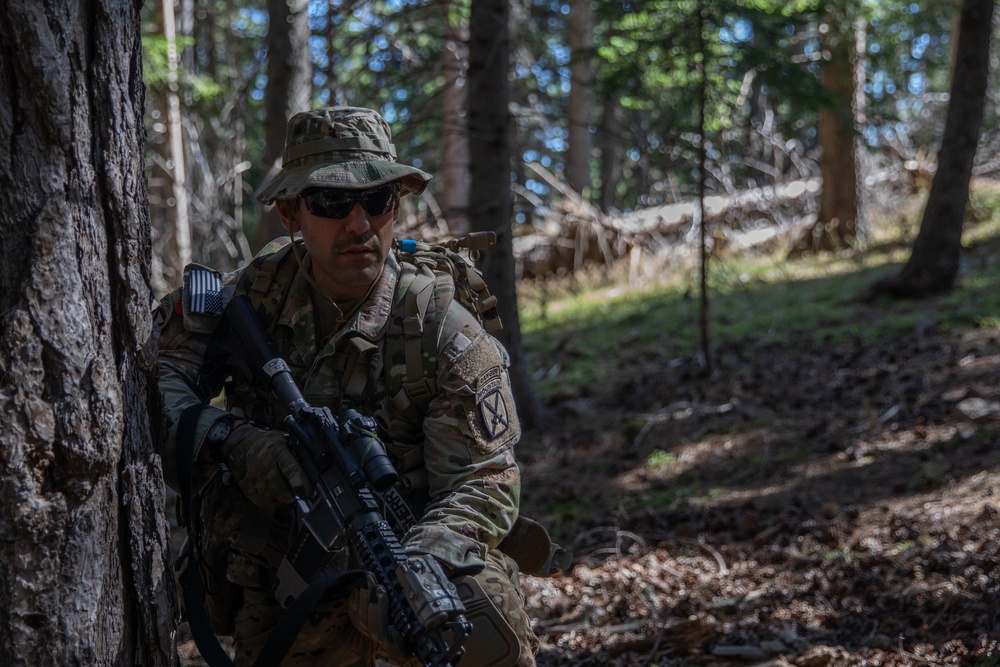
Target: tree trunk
[
  {"x": 703, "y": 307},
  {"x": 489, "y": 140},
  {"x": 175, "y": 130},
  {"x": 610, "y": 153},
  {"x": 836, "y": 226},
  {"x": 85, "y": 573},
  {"x": 207, "y": 30},
  {"x": 934, "y": 262},
  {"x": 289, "y": 90},
  {"x": 581, "y": 97},
  {"x": 185, "y": 26},
  {"x": 455, "y": 135}
]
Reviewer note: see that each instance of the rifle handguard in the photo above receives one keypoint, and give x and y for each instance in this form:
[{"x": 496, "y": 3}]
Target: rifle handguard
[{"x": 432, "y": 597}]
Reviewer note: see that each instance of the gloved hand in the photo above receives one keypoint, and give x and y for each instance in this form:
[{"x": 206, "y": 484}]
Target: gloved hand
[
  {"x": 265, "y": 469},
  {"x": 368, "y": 606}
]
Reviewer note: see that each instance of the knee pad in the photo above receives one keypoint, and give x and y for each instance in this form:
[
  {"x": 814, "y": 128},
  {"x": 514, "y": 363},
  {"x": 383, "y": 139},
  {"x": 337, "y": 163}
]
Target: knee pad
[{"x": 493, "y": 643}]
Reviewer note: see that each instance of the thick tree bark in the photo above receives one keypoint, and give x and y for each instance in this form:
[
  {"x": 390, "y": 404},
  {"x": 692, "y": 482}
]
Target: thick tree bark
[
  {"x": 581, "y": 97},
  {"x": 489, "y": 141},
  {"x": 289, "y": 90},
  {"x": 934, "y": 262},
  {"x": 85, "y": 575}
]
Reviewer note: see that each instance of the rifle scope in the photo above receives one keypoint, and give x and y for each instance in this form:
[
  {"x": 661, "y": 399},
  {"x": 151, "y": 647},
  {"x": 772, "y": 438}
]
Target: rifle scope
[{"x": 358, "y": 433}]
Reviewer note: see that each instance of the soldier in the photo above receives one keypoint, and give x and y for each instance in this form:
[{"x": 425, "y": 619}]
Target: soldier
[{"x": 336, "y": 300}]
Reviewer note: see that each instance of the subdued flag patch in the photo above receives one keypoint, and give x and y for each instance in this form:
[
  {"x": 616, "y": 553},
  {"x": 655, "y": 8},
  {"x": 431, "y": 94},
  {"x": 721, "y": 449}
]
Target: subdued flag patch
[{"x": 205, "y": 297}]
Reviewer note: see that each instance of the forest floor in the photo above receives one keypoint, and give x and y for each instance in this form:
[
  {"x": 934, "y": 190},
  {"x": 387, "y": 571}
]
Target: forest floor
[{"x": 817, "y": 501}]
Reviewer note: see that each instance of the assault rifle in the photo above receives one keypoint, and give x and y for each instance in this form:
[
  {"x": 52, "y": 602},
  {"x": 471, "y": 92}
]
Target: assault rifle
[{"x": 347, "y": 465}]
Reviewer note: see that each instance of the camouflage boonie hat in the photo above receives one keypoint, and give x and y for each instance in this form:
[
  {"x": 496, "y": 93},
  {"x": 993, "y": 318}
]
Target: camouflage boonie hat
[{"x": 339, "y": 147}]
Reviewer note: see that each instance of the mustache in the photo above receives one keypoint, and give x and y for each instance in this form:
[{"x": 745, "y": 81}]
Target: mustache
[{"x": 356, "y": 240}]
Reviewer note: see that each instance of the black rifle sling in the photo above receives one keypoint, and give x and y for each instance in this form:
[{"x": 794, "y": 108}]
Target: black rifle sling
[
  {"x": 287, "y": 628},
  {"x": 194, "y": 593}
]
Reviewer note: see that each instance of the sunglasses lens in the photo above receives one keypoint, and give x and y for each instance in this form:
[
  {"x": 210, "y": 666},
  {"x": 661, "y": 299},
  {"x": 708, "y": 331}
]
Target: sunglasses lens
[
  {"x": 379, "y": 201},
  {"x": 330, "y": 203}
]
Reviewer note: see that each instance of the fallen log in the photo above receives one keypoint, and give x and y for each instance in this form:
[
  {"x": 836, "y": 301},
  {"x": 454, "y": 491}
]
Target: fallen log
[{"x": 573, "y": 233}]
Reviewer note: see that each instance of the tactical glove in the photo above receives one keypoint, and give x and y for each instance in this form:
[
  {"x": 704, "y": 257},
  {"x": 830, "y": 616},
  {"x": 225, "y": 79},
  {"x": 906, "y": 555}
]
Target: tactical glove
[
  {"x": 368, "y": 606},
  {"x": 265, "y": 469}
]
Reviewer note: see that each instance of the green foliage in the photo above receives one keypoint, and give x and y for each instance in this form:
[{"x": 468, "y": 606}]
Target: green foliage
[
  {"x": 695, "y": 496},
  {"x": 567, "y": 513},
  {"x": 788, "y": 9},
  {"x": 989, "y": 660},
  {"x": 983, "y": 208},
  {"x": 154, "y": 60},
  {"x": 761, "y": 63},
  {"x": 834, "y": 555},
  {"x": 387, "y": 55},
  {"x": 156, "y": 68},
  {"x": 651, "y": 60},
  {"x": 908, "y": 50},
  {"x": 663, "y": 499},
  {"x": 659, "y": 459}
]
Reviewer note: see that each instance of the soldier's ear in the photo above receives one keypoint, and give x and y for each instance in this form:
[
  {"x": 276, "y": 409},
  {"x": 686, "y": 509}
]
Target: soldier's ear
[{"x": 288, "y": 210}]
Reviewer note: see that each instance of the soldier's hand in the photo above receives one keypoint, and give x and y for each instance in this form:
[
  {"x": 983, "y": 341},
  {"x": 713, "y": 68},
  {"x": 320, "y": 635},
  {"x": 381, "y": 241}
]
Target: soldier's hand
[
  {"x": 368, "y": 606},
  {"x": 265, "y": 468}
]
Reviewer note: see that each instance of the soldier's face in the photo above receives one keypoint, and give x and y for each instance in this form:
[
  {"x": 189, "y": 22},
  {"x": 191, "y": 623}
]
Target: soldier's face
[{"x": 347, "y": 252}]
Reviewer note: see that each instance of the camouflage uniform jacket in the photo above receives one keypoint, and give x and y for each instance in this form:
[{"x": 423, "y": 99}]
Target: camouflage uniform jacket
[{"x": 456, "y": 459}]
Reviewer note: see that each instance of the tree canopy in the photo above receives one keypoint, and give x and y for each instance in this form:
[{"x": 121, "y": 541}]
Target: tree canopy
[{"x": 762, "y": 64}]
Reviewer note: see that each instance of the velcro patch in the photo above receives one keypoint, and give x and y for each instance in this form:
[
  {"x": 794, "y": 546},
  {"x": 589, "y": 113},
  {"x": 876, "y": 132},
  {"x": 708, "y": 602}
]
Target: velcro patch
[
  {"x": 492, "y": 404},
  {"x": 204, "y": 292}
]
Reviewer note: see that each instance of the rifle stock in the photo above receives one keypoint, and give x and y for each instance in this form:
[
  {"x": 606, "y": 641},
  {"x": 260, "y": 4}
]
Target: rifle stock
[{"x": 345, "y": 463}]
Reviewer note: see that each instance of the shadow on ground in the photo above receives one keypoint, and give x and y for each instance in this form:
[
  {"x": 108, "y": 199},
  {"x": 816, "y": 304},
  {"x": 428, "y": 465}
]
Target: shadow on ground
[{"x": 814, "y": 504}]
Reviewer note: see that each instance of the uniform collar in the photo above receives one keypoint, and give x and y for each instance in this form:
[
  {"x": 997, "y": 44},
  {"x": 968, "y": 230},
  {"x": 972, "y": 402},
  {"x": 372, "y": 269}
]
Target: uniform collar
[
  {"x": 372, "y": 316},
  {"x": 370, "y": 320}
]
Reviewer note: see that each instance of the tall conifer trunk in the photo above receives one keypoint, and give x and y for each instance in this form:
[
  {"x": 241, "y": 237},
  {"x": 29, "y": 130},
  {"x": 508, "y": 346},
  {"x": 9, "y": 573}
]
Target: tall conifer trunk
[
  {"x": 490, "y": 207},
  {"x": 581, "y": 97},
  {"x": 837, "y": 223},
  {"x": 289, "y": 91},
  {"x": 454, "y": 133},
  {"x": 934, "y": 263},
  {"x": 85, "y": 575}
]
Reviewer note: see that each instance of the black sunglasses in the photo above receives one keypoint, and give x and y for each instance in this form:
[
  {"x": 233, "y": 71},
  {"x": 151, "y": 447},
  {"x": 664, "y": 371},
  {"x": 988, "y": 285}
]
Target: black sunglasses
[{"x": 334, "y": 203}]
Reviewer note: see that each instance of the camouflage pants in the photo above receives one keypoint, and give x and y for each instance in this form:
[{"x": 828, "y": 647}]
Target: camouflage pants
[{"x": 330, "y": 638}]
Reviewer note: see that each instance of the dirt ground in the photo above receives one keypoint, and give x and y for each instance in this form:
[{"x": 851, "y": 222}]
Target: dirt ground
[{"x": 810, "y": 504}]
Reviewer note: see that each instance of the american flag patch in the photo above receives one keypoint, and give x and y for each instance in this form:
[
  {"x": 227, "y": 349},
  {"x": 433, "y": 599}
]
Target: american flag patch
[{"x": 204, "y": 292}]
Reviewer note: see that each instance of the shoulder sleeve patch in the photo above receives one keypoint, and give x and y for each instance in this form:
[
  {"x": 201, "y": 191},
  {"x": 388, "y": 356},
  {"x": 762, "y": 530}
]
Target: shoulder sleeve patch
[
  {"x": 202, "y": 290},
  {"x": 490, "y": 414},
  {"x": 203, "y": 298},
  {"x": 491, "y": 398}
]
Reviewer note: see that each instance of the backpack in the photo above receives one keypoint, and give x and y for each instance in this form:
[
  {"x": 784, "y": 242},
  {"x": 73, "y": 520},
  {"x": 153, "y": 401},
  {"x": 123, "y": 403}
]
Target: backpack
[
  {"x": 469, "y": 287},
  {"x": 431, "y": 277}
]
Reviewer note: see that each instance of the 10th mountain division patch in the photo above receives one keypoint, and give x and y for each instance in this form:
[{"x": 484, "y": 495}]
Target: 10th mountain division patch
[{"x": 492, "y": 404}]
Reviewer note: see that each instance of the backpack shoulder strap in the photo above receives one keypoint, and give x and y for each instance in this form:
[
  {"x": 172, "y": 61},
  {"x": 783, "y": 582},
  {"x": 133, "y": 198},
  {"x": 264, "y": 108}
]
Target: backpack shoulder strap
[
  {"x": 265, "y": 268},
  {"x": 421, "y": 303}
]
